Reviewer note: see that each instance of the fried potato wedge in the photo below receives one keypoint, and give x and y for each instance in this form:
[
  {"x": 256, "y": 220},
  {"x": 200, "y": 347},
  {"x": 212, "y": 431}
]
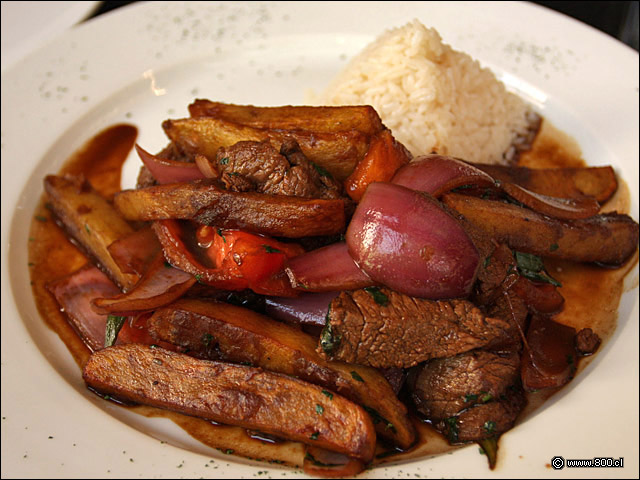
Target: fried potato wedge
[
  {"x": 91, "y": 220},
  {"x": 338, "y": 152},
  {"x": 215, "y": 329},
  {"x": 608, "y": 238},
  {"x": 232, "y": 394},
  {"x": 597, "y": 182},
  {"x": 203, "y": 202},
  {"x": 362, "y": 118}
]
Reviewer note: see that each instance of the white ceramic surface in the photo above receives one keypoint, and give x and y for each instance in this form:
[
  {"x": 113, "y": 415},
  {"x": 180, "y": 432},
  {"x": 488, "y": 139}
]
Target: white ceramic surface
[
  {"x": 145, "y": 63},
  {"x": 26, "y": 26}
]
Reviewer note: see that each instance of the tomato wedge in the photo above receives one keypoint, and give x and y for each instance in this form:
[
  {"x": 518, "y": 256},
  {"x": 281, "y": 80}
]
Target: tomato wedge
[{"x": 249, "y": 260}]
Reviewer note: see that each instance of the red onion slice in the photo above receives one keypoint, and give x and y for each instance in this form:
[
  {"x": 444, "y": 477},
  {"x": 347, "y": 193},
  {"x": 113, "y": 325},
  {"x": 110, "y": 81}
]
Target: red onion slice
[
  {"x": 169, "y": 171},
  {"x": 307, "y": 309},
  {"x": 563, "y": 208},
  {"x": 405, "y": 240},
  {"x": 326, "y": 269},
  {"x": 133, "y": 253},
  {"x": 160, "y": 285},
  {"x": 75, "y": 292},
  {"x": 438, "y": 174}
]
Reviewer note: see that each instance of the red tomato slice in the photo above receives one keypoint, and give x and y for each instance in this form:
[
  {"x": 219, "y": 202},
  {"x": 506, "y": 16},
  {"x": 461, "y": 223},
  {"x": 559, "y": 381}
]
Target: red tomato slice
[{"x": 252, "y": 261}]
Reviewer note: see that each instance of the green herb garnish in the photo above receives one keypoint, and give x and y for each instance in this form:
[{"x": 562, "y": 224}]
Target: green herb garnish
[
  {"x": 329, "y": 340},
  {"x": 487, "y": 397},
  {"x": 323, "y": 172},
  {"x": 377, "y": 418},
  {"x": 206, "y": 339},
  {"x": 314, "y": 435},
  {"x": 114, "y": 324},
  {"x": 489, "y": 426},
  {"x": 452, "y": 423},
  {"x": 319, "y": 409},
  {"x": 356, "y": 376},
  {"x": 270, "y": 249},
  {"x": 532, "y": 267},
  {"x": 224, "y": 161},
  {"x": 327, "y": 394},
  {"x": 379, "y": 297}
]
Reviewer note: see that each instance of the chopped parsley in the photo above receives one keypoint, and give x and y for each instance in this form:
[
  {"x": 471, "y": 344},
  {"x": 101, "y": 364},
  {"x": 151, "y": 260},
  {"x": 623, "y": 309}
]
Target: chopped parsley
[
  {"x": 452, "y": 423},
  {"x": 489, "y": 426},
  {"x": 114, "y": 324},
  {"x": 329, "y": 340},
  {"x": 314, "y": 435},
  {"x": 470, "y": 397},
  {"x": 327, "y": 394},
  {"x": 379, "y": 297},
  {"x": 532, "y": 267},
  {"x": 323, "y": 172},
  {"x": 356, "y": 376},
  {"x": 377, "y": 418},
  {"x": 270, "y": 249},
  {"x": 224, "y": 161},
  {"x": 319, "y": 409}
]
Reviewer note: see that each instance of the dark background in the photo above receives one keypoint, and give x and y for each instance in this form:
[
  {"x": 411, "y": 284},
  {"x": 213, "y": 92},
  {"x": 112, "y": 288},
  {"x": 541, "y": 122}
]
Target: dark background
[{"x": 618, "y": 19}]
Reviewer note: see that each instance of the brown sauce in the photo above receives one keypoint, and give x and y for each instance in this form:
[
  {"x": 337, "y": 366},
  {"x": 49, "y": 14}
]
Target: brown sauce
[{"x": 592, "y": 294}]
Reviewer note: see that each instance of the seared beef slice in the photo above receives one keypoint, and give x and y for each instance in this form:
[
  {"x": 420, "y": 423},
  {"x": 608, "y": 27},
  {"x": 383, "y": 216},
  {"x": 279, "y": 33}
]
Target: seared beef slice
[
  {"x": 471, "y": 396},
  {"x": 287, "y": 172},
  {"x": 383, "y": 328}
]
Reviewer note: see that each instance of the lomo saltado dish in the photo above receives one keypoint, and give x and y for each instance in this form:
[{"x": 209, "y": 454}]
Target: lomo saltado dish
[{"x": 298, "y": 279}]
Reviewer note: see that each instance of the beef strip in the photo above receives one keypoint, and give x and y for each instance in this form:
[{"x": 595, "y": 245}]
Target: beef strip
[
  {"x": 383, "y": 328},
  {"x": 307, "y": 175},
  {"x": 496, "y": 275},
  {"x": 287, "y": 172},
  {"x": 470, "y": 396},
  {"x": 486, "y": 420},
  {"x": 587, "y": 341},
  {"x": 446, "y": 386}
]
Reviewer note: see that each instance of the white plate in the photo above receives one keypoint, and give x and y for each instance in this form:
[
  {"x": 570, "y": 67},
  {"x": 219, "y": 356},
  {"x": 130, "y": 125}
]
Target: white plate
[
  {"x": 145, "y": 63},
  {"x": 27, "y": 26}
]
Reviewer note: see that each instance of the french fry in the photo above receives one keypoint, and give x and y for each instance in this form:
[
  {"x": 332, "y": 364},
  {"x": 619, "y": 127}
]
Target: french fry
[
  {"x": 362, "y": 118},
  {"x": 608, "y": 238},
  {"x": 91, "y": 221},
  {"x": 276, "y": 215},
  {"x": 234, "y": 395}
]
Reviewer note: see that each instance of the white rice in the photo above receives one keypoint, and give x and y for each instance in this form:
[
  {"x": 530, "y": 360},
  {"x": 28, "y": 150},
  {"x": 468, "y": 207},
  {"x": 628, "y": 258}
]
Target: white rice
[{"x": 432, "y": 97}]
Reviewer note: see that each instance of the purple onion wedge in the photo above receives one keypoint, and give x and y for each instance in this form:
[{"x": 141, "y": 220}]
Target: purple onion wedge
[{"x": 406, "y": 240}]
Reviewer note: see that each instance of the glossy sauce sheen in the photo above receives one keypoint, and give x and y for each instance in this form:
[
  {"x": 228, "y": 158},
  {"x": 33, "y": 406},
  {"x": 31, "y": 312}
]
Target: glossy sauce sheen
[{"x": 591, "y": 293}]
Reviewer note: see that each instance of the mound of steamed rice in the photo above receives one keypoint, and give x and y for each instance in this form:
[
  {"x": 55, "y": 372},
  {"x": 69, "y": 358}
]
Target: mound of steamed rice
[{"x": 434, "y": 98}]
